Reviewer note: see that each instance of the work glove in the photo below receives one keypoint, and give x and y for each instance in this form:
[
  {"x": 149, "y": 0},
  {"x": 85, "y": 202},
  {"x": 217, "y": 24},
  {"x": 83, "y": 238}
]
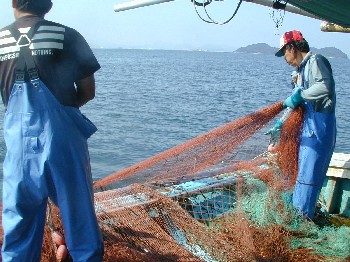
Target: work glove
[
  {"x": 275, "y": 132},
  {"x": 294, "y": 100}
]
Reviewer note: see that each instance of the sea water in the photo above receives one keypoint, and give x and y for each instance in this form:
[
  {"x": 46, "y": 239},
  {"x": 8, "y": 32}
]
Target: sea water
[{"x": 148, "y": 101}]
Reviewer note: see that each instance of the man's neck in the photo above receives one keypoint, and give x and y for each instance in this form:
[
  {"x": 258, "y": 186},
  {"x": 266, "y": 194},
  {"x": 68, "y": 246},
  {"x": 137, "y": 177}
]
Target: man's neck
[{"x": 19, "y": 14}]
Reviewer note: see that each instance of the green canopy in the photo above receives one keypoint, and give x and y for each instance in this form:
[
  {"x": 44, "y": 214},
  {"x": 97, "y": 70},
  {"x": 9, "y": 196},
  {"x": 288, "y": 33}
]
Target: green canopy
[{"x": 334, "y": 11}]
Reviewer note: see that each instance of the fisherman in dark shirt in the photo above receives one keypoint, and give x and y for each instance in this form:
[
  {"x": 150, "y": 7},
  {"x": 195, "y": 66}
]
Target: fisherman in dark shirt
[{"x": 46, "y": 74}]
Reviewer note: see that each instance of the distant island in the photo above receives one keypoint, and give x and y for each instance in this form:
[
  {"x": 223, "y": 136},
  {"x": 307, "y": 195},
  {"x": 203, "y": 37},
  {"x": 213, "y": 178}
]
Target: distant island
[{"x": 262, "y": 48}]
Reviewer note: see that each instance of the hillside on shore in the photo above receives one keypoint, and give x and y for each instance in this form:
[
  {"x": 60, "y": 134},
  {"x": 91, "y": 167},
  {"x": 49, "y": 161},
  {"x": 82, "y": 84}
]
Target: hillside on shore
[{"x": 262, "y": 48}]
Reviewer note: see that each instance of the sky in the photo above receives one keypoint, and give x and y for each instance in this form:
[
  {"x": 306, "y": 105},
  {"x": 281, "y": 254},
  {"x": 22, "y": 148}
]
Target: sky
[{"x": 176, "y": 25}]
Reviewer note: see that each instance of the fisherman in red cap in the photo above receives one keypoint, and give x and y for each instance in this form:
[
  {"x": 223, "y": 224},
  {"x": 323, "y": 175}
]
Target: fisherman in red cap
[
  {"x": 46, "y": 74},
  {"x": 315, "y": 92}
]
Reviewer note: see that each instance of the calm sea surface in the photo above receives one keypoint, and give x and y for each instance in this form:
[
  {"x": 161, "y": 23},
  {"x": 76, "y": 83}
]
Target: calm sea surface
[{"x": 150, "y": 100}]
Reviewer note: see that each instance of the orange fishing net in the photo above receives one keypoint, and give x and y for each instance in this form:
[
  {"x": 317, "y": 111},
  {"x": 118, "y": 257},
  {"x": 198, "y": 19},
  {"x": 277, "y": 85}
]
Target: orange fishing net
[{"x": 219, "y": 147}]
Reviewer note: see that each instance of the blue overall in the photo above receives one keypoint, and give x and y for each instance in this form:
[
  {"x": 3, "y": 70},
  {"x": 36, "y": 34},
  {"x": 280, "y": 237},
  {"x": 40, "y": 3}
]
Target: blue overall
[
  {"x": 315, "y": 153},
  {"x": 47, "y": 156}
]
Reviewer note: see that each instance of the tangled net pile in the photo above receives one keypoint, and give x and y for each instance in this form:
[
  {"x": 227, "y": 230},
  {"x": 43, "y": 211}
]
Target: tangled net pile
[{"x": 217, "y": 197}]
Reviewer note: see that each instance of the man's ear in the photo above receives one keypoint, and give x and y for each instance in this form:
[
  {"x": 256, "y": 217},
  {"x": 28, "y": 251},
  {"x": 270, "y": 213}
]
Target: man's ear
[{"x": 14, "y": 4}]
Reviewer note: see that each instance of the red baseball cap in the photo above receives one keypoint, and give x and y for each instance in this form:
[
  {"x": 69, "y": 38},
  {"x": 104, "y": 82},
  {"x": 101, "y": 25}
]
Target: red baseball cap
[{"x": 288, "y": 37}]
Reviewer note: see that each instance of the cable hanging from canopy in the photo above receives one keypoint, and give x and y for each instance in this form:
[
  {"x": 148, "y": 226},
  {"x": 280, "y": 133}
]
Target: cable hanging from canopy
[{"x": 209, "y": 19}]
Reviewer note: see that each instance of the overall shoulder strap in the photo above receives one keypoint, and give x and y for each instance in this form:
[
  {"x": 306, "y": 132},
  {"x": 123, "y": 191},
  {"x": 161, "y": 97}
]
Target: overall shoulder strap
[{"x": 25, "y": 61}]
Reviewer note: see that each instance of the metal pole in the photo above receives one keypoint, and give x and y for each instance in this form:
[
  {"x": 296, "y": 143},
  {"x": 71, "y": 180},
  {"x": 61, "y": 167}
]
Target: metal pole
[
  {"x": 137, "y": 3},
  {"x": 330, "y": 27}
]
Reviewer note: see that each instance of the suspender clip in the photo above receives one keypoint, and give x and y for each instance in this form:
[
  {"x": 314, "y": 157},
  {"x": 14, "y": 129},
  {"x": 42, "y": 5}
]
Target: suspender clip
[
  {"x": 33, "y": 73},
  {"x": 19, "y": 76}
]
